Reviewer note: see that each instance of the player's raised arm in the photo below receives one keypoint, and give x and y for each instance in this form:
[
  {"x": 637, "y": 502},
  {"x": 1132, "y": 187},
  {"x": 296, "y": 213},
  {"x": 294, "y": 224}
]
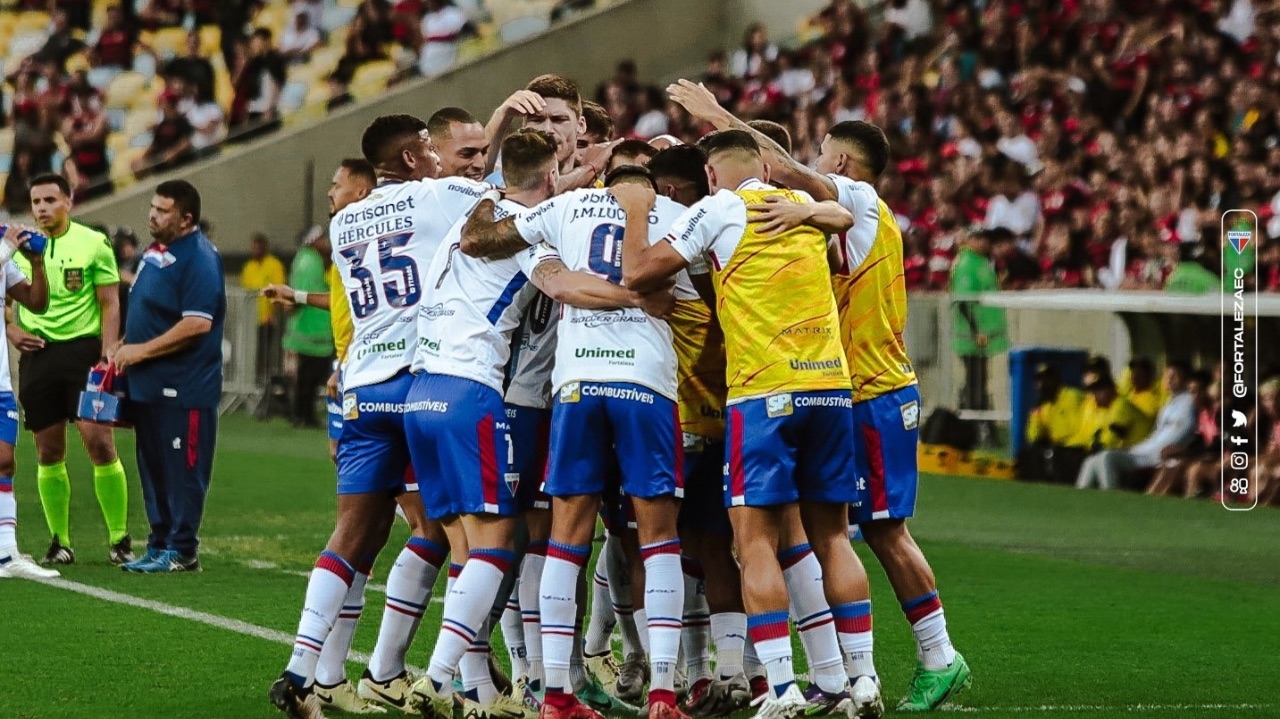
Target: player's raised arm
[
  {"x": 31, "y": 293},
  {"x": 521, "y": 103},
  {"x": 778, "y": 214},
  {"x": 484, "y": 236},
  {"x": 702, "y": 105}
]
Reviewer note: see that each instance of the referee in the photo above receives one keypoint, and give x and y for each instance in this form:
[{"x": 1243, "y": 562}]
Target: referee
[{"x": 59, "y": 347}]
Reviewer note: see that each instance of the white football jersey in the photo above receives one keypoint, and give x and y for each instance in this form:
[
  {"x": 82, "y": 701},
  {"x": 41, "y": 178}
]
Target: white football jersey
[
  {"x": 465, "y": 329},
  {"x": 623, "y": 345},
  {"x": 382, "y": 245},
  {"x": 529, "y": 377},
  {"x": 11, "y": 276}
]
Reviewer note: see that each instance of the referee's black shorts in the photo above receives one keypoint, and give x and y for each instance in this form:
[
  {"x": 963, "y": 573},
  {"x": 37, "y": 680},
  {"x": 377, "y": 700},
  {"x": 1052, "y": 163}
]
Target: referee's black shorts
[{"x": 50, "y": 380}]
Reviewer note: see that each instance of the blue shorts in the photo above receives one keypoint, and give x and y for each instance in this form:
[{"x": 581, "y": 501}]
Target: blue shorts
[
  {"x": 457, "y": 431},
  {"x": 789, "y": 447},
  {"x": 703, "y": 507},
  {"x": 373, "y": 455},
  {"x": 587, "y": 418},
  {"x": 530, "y": 431},
  {"x": 8, "y": 418},
  {"x": 886, "y": 430}
]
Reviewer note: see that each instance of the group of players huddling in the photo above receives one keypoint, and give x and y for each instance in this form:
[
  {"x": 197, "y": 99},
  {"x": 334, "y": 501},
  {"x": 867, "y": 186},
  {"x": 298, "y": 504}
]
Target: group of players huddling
[{"x": 702, "y": 345}]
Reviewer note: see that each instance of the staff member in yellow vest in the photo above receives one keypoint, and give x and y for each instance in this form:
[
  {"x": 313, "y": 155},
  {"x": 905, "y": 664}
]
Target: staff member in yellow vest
[{"x": 59, "y": 347}]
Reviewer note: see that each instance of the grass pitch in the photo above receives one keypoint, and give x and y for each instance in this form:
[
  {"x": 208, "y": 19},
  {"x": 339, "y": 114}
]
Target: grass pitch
[{"x": 1065, "y": 603}]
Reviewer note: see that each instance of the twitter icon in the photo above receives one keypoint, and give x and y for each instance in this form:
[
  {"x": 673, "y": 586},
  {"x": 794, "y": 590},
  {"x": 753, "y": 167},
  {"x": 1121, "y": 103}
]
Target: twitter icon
[{"x": 1237, "y": 418}]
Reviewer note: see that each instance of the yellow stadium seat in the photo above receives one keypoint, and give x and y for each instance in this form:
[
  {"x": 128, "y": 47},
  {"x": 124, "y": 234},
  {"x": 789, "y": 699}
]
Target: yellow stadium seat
[
  {"x": 167, "y": 42},
  {"x": 138, "y": 122},
  {"x": 31, "y": 22},
  {"x": 117, "y": 144},
  {"x": 210, "y": 40},
  {"x": 124, "y": 87},
  {"x": 371, "y": 79},
  {"x": 6, "y": 141}
]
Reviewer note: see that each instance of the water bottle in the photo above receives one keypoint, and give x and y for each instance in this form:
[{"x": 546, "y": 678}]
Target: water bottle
[{"x": 33, "y": 240}]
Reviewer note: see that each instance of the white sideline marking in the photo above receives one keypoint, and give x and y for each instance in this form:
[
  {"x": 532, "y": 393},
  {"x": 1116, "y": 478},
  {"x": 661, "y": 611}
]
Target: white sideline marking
[
  {"x": 213, "y": 620},
  {"x": 272, "y": 566},
  {"x": 1135, "y": 708}
]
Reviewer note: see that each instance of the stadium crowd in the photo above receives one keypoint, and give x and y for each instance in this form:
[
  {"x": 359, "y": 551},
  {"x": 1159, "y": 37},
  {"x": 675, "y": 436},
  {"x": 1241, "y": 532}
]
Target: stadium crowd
[{"x": 1099, "y": 140}]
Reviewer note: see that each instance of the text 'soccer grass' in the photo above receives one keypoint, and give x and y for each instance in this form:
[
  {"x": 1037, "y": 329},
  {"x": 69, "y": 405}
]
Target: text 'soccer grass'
[{"x": 1065, "y": 603}]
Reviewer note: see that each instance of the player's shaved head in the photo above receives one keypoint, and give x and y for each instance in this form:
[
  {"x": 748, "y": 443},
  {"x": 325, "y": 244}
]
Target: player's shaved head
[
  {"x": 599, "y": 123},
  {"x": 438, "y": 125},
  {"x": 860, "y": 143},
  {"x": 359, "y": 170},
  {"x": 733, "y": 156},
  {"x": 631, "y": 152},
  {"x": 680, "y": 173},
  {"x": 773, "y": 131},
  {"x": 557, "y": 87},
  {"x": 397, "y": 145},
  {"x": 528, "y": 156},
  {"x": 736, "y": 142},
  {"x": 630, "y": 173}
]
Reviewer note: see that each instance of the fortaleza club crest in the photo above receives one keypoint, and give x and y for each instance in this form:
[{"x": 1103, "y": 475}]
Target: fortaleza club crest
[{"x": 1239, "y": 239}]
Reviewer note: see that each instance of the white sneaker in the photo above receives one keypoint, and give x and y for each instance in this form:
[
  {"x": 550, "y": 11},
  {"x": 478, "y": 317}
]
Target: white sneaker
[
  {"x": 19, "y": 566},
  {"x": 788, "y": 706},
  {"x": 866, "y": 700}
]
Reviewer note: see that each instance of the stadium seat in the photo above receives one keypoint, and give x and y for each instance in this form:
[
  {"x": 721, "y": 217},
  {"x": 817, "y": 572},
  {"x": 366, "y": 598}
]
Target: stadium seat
[
  {"x": 6, "y": 140},
  {"x": 124, "y": 87},
  {"x": 371, "y": 79},
  {"x": 6, "y": 163},
  {"x": 523, "y": 28},
  {"x": 293, "y": 96},
  {"x": 167, "y": 42},
  {"x": 139, "y": 121},
  {"x": 30, "y": 21},
  {"x": 210, "y": 40}
]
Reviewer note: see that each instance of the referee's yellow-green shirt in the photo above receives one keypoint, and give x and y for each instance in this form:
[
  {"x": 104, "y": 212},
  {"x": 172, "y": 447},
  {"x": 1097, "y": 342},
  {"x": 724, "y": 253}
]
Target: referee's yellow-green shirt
[{"x": 77, "y": 262}]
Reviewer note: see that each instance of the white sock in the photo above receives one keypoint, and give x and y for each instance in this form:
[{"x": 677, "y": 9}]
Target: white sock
[
  {"x": 853, "y": 625},
  {"x": 751, "y": 664},
  {"x": 466, "y": 611},
  {"x": 664, "y": 606},
  {"x": 8, "y": 515},
  {"x": 696, "y": 638},
  {"x": 812, "y": 615},
  {"x": 578, "y": 678},
  {"x": 620, "y": 594},
  {"x": 558, "y": 608},
  {"x": 642, "y": 620},
  {"x": 729, "y": 632},
  {"x": 929, "y": 624},
  {"x": 530, "y": 602},
  {"x": 326, "y": 590},
  {"x": 477, "y": 682},
  {"x": 331, "y": 670},
  {"x": 409, "y": 585},
  {"x": 771, "y": 634},
  {"x": 513, "y": 633},
  {"x": 600, "y": 627}
]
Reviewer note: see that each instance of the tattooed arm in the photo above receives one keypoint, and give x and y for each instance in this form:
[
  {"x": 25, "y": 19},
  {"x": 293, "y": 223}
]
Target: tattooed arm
[{"x": 483, "y": 236}]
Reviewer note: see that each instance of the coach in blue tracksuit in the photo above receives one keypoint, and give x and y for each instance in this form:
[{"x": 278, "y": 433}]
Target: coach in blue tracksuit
[{"x": 172, "y": 357}]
